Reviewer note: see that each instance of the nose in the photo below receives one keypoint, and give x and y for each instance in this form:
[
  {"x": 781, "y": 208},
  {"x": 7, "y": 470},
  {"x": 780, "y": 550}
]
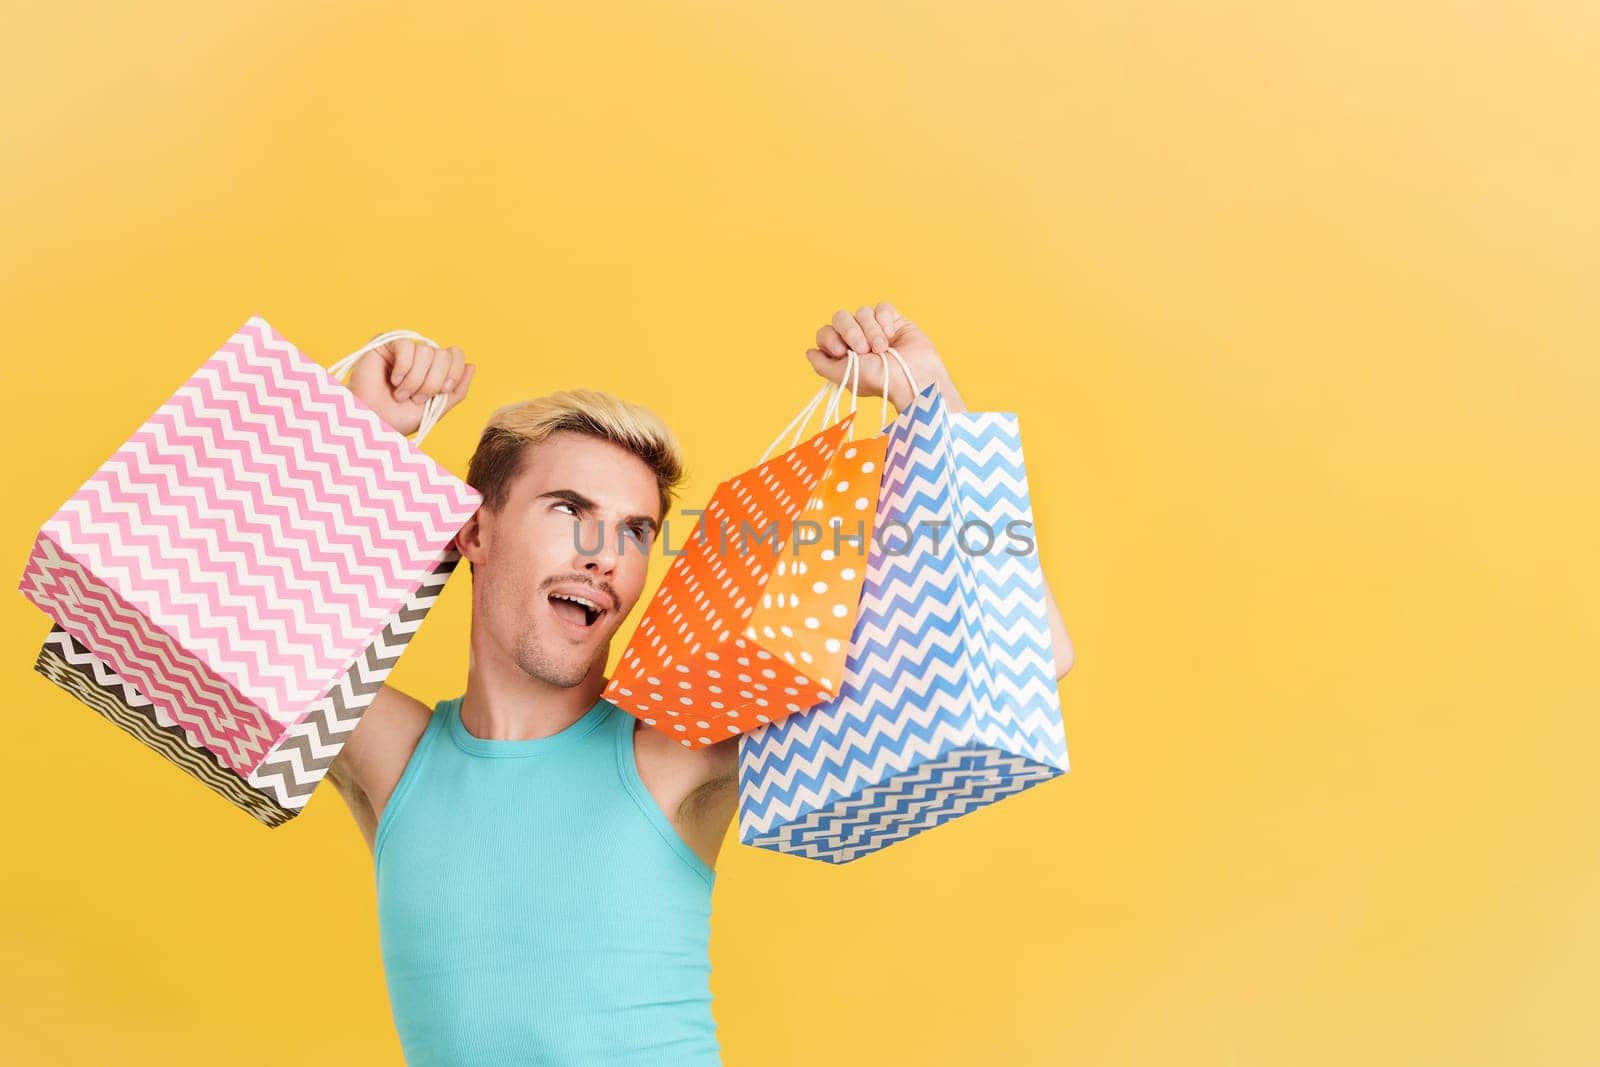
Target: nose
[{"x": 597, "y": 550}]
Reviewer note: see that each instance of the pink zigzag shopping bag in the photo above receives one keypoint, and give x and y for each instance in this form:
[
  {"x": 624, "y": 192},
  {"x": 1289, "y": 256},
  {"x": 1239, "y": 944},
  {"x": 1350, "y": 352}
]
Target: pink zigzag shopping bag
[{"x": 238, "y": 553}]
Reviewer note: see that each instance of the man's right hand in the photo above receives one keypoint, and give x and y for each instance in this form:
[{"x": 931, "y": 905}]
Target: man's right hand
[{"x": 397, "y": 378}]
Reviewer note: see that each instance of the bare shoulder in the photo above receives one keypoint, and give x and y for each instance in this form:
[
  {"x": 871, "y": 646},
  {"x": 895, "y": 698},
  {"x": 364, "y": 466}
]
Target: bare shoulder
[
  {"x": 696, "y": 788},
  {"x": 376, "y": 753},
  {"x": 689, "y": 765}
]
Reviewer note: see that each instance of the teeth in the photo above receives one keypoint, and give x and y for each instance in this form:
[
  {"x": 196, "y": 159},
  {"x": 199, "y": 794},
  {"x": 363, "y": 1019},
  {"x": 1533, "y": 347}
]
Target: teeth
[{"x": 577, "y": 600}]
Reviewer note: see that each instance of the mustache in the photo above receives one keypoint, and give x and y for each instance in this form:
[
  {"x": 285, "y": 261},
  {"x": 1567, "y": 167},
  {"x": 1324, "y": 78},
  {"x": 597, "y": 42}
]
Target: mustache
[{"x": 579, "y": 579}]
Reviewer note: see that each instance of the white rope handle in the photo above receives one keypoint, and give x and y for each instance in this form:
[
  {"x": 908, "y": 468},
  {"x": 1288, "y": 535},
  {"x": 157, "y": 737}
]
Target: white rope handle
[
  {"x": 852, "y": 374},
  {"x": 883, "y": 416},
  {"x": 855, "y": 388},
  {"x": 805, "y": 415},
  {"x": 431, "y": 411},
  {"x": 802, "y": 420},
  {"x": 903, "y": 370}
]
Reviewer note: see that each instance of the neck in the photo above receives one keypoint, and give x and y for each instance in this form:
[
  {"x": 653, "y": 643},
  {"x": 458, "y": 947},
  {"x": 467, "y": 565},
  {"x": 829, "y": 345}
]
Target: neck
[{"x": 503, "y": 704}]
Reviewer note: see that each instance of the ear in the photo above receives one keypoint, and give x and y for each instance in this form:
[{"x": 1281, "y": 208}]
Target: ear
[{"x": 472, "y": 539}]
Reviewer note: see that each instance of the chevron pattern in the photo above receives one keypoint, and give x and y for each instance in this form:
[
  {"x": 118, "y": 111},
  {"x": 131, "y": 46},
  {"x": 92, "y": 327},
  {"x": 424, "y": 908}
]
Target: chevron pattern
[
  {"x": 986, "y": 450},
  {"x": 279, "y": 789},
  {"x": 949, "y": 699},
  {"x": 301, "y": 758},
  {"x": 239, "y": 552},
  {"x": 73, "y": 668},
  {"x": 904, "y": 805}
]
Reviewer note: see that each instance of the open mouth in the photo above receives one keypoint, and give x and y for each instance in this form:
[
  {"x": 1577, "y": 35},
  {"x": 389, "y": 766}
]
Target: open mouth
[{"x": 576, "y": 609}]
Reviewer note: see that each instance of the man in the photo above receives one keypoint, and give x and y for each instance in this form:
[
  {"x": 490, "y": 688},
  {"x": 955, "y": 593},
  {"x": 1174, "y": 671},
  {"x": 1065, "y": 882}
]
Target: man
[{"x": 544, "y": 861}]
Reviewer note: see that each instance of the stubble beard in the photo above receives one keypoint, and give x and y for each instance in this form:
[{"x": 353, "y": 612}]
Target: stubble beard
[{"x": 536, "y": 661}]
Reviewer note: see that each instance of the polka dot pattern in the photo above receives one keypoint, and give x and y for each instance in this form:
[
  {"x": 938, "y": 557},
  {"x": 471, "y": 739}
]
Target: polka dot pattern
[
  {"x": 690, "y": 670},
  {"x": 810, "y": 605}
]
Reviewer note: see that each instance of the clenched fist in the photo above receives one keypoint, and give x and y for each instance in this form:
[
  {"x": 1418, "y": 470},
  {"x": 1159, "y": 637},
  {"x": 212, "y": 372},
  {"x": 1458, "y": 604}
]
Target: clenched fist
[
  {"x": 870, "y": 332},
  {"x": 398, "y": 377}
]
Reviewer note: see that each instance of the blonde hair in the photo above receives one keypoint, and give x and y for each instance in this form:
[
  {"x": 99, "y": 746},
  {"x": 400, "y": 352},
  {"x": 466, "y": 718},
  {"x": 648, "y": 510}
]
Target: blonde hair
[{"x": 514, "y": 428}]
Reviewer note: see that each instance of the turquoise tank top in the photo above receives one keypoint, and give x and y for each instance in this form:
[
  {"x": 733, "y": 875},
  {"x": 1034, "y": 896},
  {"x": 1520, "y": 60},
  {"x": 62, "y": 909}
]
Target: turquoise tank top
[{"x": 536, "y": 906}]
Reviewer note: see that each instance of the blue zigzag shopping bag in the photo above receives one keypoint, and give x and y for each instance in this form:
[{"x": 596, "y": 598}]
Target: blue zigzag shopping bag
[{"x": 949, "y": 697}]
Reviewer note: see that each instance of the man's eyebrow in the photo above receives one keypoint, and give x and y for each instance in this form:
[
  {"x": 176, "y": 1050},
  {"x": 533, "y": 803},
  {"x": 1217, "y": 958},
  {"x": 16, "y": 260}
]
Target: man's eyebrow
[
  {"x": 571, "y": 496},
  {"x": 583, "y": 503}
]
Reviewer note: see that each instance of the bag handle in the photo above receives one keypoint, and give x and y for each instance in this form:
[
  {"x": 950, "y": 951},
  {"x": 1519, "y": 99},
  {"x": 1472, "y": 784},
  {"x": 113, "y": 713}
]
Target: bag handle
[
  {"x": 852, "y": 373},
  {"x": 798, "y": 424},
  {"x": 903, "y": 370},
  {"x": 855, "y": 387},
  {"x": 431, "y": 411},
  {"x": 883, "y": 418}
]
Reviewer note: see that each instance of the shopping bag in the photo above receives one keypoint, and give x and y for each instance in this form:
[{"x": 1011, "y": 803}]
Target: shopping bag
[
  {"x": 809, "y": 606},
  {"x": 238, "y": 553},
  {"x": 949, "y": 700},
  {"x": 698, "y": 667},
  {"x": 280, "y": 787}
]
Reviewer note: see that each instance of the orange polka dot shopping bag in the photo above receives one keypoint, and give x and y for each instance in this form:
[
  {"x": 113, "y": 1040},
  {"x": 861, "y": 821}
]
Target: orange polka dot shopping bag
[{"x": 752, "y": 622}]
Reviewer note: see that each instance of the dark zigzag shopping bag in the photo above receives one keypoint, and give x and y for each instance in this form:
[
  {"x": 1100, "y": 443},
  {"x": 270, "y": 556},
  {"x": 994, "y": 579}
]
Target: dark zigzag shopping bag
[{"x": 279, "y": 789}]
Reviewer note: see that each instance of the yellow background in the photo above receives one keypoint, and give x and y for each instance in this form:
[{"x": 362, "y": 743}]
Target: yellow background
[{"x": 1296, "y": 304}]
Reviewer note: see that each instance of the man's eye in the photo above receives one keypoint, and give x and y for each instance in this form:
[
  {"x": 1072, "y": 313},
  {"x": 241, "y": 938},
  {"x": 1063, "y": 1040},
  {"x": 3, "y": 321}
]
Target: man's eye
[
  {"x": 564, "y": 504},
  {"x": 640, "y": 534}
]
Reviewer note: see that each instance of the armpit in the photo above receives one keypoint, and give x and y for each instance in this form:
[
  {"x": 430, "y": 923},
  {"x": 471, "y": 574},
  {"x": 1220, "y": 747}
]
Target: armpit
[
  {"x": 709, "y": 798},
  {"x": 360, "y": 807}
]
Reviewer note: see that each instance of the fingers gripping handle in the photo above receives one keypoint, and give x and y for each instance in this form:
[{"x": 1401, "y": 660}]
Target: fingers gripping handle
[
  {"x": 852, "y": 374},
  {"x": 431, "y": 411}
]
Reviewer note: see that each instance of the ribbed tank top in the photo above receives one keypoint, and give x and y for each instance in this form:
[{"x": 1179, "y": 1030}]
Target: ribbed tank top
[{"x": 536, "y": 906}]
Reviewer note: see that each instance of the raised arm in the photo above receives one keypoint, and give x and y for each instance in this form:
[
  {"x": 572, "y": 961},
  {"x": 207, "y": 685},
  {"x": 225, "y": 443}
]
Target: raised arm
[
  {"x": 875, "y": 330},
  {"x": 375, "y": 756},
  {"x": 395, "y": 380}
]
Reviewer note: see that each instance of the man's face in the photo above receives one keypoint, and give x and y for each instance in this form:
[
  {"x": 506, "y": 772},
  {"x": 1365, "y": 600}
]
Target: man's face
[{"x": 578, "y": 523}]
